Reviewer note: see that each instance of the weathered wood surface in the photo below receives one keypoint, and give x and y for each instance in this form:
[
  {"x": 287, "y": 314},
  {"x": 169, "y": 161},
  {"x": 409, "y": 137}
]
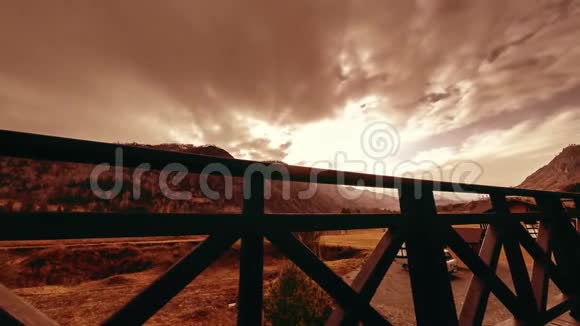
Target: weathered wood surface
[
  {"x": 565, "y": 320},
  {"x": 15, "y": 311}
]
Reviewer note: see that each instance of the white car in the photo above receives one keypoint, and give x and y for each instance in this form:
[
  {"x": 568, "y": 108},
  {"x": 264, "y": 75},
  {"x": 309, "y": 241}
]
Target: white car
[{"x": 450, "y": 261}]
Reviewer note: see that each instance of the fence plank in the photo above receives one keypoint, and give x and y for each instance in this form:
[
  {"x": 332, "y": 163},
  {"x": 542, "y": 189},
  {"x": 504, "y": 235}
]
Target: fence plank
[
  {"x": 15, "y": 311},
  {"x": 432, "y": 294},
  {"x": 539, "y": 256},
  {"x": 517, "y": 265},
  {"x": 250, "y": 283},
  {"x": 566, "y": 247},
  {"x": 477, "y": 296},
  {"x": 540, "y": 280},
  {"x": 326, "y": 278},
  {"x": 371, "y": 274},
  {"x": 252, "y": 256},
  {"x": 46, "y": 226},
  {"x": 558, "y": 309},
  {"x": 577, "y": 213},
  {"x": 157, "y": 294},
  {"x": 483, "y": 272}
]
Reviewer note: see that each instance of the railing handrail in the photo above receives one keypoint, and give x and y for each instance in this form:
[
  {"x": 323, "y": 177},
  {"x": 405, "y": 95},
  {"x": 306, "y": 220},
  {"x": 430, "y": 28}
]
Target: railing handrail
[{"x": 53, "y": 148}]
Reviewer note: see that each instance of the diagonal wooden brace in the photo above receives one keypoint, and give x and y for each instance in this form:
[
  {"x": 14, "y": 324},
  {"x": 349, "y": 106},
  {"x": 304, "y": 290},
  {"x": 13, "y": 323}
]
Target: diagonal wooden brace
[
  {"x": 306, "y": 260},
  {"x": 371, "y": 274},
  {"x": 164, "y": 288}
]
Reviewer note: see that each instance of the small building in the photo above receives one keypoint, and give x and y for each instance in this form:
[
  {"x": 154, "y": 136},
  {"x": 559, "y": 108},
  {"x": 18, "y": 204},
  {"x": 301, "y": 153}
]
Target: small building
[
  {"x": 515, "y": 205},
  {"x": 474, "y": 235}
]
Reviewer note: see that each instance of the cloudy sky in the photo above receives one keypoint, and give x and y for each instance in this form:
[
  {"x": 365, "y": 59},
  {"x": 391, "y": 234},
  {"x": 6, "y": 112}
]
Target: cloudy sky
[{"x": 492, "y": 82}]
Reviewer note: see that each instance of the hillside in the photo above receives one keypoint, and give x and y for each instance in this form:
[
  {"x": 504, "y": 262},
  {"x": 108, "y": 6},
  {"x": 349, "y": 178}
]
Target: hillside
[
  {"x": 27, "y": 185},
  {"x": 561, "y": 174},
  {"x": 208, "y": 150}
]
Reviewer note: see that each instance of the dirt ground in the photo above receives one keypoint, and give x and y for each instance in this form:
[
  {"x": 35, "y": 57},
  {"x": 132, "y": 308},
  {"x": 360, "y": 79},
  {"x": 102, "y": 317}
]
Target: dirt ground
[
  {"x": 393, "y": 297},
  {"x": 208, "y": 299}
]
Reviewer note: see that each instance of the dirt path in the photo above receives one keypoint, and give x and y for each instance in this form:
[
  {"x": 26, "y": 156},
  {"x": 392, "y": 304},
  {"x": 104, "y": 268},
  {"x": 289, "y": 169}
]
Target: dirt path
[{"x": 393, "y": 297}]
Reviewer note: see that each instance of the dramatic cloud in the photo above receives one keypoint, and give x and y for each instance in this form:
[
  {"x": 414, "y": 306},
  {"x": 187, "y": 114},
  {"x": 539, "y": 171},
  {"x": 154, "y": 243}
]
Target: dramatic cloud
[
  {"x": 248, "y": 75},
  {"x": 507, "y": 156}
]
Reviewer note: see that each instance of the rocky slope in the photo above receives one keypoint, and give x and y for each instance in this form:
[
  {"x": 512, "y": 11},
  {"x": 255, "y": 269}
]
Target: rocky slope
[{"x": 561, "y": 174}]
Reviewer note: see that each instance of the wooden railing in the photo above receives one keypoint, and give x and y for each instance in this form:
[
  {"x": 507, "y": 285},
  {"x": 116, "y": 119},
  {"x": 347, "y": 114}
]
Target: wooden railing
[{"x": 425, "y": 233}]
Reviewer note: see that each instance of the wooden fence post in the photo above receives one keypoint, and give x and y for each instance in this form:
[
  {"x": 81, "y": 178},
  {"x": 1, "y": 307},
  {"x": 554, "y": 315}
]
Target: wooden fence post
[
  {"x": 252, "y": 255},
  {"x": 430, "y": 284}
]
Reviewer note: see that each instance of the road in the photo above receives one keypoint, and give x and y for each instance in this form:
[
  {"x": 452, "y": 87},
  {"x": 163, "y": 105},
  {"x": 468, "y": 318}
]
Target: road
[{"x": 393, "y": 297}]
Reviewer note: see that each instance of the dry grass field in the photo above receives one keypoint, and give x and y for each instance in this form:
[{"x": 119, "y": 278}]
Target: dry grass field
[
  {"x": 360, "y": 239},
  {"x": 74, "y": 286}
]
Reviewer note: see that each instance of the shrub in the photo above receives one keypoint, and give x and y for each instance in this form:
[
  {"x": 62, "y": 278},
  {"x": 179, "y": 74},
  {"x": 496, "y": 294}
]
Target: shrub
[
  {"x": 294, "y": 299},
  {"x": 311, "y": 240},
  {"x": 61, "y": 265}
]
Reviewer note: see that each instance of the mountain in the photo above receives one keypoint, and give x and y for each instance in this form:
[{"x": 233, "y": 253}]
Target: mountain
[
  {"x": 31, "y": 185},
  {"x": 329, "y": 199},
  {"x": 561, "y": 174},
  {"x": 208, "y": 150}
]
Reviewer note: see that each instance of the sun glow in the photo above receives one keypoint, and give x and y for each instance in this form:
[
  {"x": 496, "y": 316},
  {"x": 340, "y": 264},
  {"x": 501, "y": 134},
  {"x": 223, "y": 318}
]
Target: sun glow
[{"x": 326, "y": 140}]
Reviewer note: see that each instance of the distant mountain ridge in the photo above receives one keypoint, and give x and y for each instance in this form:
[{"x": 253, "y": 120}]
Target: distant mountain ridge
[
  {"x": 208, "y": 150},
  {"x": 326, "y": 199},
  {"x": 29, "y": 185},
  {"x": 561, "y": 174}
]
